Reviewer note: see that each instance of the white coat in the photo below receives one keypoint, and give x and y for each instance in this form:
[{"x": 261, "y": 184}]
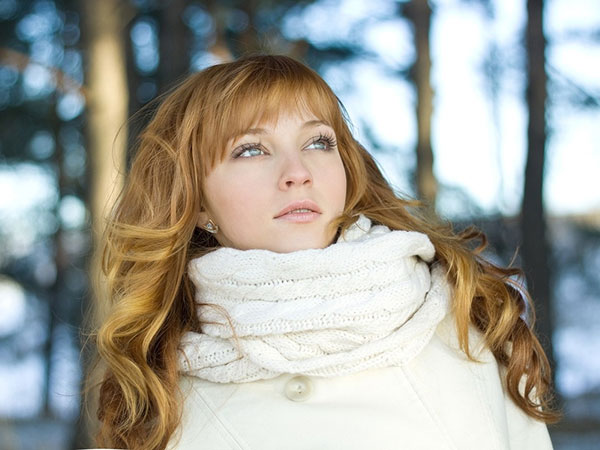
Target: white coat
[{"x": 439, "y": 400}]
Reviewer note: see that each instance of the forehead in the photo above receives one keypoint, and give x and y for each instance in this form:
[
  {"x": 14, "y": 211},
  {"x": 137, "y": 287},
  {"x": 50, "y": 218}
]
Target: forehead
[
  {"x": 272, "y": 112},
  {"x": 285, "y": 119}
]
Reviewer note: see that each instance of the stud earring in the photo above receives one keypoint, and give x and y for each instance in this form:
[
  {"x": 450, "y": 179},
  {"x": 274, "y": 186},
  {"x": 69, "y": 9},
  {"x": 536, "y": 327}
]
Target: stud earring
[{"x": 211, "y": 227}]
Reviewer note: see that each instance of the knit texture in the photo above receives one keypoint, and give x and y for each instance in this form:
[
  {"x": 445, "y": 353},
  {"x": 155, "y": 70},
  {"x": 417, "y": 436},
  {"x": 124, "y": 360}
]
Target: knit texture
[{"x": 367, "y": 301}]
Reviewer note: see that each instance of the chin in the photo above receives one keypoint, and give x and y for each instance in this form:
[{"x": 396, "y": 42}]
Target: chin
[{"x": 295, "y": 245}]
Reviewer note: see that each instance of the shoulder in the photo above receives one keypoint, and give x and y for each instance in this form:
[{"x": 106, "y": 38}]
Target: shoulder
[
  {"x": 447, "y": 333},
  {"x": 475, "y": 386}
]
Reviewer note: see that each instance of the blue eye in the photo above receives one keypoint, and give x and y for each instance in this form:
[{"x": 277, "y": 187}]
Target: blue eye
[
  {"x": 318, "y": 145},
  {"x": 323, "y": 142},
  {"x": 248, "y": 151}
]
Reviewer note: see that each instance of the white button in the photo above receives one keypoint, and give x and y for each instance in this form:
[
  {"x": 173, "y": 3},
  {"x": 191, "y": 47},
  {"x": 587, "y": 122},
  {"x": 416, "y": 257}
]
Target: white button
[{"x": 298, "y": 388}]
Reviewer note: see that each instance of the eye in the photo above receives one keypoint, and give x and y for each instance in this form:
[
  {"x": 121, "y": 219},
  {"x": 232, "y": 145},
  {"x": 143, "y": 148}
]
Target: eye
[
  {"x": 248, "y": 151},
  {"x": 322, "y": 142}
]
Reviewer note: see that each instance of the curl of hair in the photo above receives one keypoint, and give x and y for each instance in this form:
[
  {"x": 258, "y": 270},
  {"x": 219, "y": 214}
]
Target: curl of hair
[{"x": 152, "y": 235}]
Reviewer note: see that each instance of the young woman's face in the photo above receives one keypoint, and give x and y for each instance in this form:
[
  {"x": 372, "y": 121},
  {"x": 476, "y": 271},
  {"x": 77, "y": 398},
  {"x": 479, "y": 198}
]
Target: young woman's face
[{"x": 278, "y": 188}]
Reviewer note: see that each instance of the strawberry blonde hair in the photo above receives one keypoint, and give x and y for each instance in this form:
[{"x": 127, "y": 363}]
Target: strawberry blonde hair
[{"x": 152, "y": 234}]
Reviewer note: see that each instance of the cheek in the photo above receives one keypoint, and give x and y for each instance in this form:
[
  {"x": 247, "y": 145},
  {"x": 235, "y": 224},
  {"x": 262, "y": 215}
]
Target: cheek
[
  {"x": 234, "y": 201},
  {"x": 336, "y": 179}
]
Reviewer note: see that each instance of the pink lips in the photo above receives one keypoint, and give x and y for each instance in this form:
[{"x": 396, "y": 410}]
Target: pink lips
[{"x": 293, "y": 212}]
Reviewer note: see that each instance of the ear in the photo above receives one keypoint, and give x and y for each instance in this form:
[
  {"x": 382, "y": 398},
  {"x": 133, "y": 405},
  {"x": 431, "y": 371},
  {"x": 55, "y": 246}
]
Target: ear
[{"x": 202, "y": 218}]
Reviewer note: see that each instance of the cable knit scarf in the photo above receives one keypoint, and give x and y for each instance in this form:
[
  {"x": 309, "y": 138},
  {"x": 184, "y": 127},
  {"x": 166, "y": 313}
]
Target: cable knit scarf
[{"x": 367, "y": 301}]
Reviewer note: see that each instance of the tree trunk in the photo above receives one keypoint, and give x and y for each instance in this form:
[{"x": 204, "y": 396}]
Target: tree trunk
[
  {"x": 219, "y": 47},
  {"x": 249, "y": 40},
  {"x": 107, "y": 101},
  {"x": 533, "y": 223},
  {"x": 419, "y": 13},
  {"x": 107, "y": 104},
  {"x": 174, "y": 44}
]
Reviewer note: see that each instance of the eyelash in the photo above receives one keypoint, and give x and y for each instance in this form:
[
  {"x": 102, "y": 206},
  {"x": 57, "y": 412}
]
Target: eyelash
[
  {"x": 327, "y": 139},
  {"x": 248, "y": 146}
]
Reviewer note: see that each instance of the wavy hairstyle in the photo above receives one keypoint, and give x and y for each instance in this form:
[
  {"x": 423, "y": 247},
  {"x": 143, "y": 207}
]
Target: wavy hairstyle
[{"x": 152, "y": 234}]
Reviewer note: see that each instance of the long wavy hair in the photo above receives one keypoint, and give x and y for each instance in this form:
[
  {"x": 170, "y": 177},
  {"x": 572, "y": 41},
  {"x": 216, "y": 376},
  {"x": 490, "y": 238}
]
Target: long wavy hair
[{"x": 152, "y": 234}]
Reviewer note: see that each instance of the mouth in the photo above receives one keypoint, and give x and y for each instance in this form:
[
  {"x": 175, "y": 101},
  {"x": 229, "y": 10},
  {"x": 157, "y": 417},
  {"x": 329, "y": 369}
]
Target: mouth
[{"x": 304, "y": 208}]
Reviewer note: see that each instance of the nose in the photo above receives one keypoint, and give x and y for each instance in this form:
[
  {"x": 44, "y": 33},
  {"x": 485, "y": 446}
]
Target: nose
[{"x": 294, "y": 173}]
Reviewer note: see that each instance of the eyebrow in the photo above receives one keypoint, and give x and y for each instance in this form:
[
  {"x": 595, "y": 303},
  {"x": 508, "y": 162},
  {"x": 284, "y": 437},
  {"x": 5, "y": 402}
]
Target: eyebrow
[{"x": 307, "y": 124}]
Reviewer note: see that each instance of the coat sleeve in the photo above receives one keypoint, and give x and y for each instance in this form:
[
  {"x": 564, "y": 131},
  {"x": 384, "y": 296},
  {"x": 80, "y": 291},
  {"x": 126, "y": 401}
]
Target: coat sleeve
[{"x": 524, "y": 432}]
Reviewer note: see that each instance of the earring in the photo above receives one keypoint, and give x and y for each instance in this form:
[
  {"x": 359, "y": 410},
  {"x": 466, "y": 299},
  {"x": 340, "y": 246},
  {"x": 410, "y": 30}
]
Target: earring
[{"x": 211, "y": 227}]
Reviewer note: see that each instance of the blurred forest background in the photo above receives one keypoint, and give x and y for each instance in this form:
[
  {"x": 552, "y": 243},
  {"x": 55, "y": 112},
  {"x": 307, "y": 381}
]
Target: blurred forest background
[{"x": 73, "y": 72}]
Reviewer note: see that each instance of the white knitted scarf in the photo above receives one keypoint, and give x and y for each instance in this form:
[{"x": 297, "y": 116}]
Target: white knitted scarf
[{"x": 367, "y": 301}]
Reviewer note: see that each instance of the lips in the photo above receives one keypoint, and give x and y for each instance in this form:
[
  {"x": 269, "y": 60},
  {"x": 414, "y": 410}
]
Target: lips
[{"x": 301, "y": 207}]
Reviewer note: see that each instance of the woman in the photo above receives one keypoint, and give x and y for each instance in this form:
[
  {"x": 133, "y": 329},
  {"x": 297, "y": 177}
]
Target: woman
[{"x": 269, "y": 290}]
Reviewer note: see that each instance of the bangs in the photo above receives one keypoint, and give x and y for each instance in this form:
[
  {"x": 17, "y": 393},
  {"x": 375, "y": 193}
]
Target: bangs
[
  {"x": 260, "y": 95},
  {"x": 265, "y": 105}
]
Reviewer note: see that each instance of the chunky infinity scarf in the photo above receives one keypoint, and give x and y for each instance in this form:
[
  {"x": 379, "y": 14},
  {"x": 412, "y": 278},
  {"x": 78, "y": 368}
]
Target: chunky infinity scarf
[{"x": 367, "y": 301}]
